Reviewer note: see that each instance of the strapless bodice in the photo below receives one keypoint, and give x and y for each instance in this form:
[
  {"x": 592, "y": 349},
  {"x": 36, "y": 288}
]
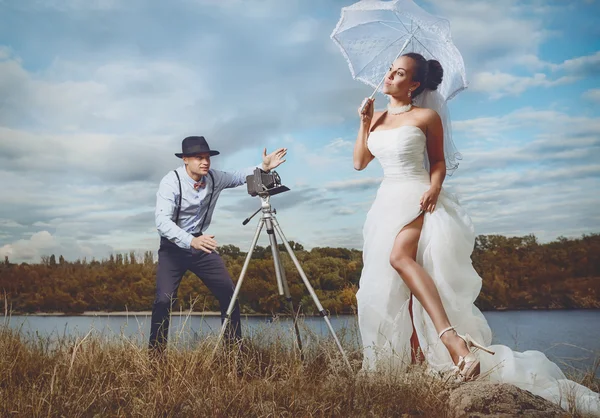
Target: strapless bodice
[{"x": 400, "y": 152}]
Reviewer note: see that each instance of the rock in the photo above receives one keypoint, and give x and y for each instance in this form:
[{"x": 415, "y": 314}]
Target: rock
[{"x": 484, "y": 399}]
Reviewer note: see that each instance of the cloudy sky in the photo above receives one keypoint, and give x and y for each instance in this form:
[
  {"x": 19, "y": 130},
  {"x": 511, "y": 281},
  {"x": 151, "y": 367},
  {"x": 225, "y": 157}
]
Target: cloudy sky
[{"x": 96, "y": 96}]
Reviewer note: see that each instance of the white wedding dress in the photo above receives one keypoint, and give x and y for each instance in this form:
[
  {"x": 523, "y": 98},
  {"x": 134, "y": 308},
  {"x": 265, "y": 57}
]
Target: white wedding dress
[{"x": 444, "y": 250}]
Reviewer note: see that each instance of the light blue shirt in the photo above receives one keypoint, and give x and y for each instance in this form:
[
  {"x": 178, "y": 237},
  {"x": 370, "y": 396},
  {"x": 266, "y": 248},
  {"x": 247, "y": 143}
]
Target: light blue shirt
[{"x": 194, "y": 203}]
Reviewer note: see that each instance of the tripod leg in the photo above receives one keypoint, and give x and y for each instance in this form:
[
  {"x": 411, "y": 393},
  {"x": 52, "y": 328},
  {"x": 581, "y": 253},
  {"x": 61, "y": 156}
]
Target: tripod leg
[
  {"x": 282, "y": 281},
  {"x": 275, "y": 252},
  {"x": 322, "y": 311},
  {"x": 237, "y": 288}
]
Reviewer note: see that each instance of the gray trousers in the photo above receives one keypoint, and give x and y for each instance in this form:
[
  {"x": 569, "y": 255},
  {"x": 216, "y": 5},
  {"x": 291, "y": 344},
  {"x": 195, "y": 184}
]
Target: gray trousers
[{"x": 173, "y": 262}]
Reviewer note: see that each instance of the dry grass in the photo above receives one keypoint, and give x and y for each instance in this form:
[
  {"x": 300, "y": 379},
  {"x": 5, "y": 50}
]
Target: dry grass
[
  {"x": 93, "y": 376},
  {"x": 588, "y": 377}
]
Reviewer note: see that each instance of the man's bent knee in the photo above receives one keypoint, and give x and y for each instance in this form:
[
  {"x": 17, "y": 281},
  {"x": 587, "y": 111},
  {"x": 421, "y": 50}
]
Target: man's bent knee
[{"x": 165, "y": 300}]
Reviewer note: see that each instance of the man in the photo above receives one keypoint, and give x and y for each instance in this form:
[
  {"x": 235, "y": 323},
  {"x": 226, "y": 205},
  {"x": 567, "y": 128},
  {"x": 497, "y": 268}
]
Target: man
[{"x": 185, "y": 203}]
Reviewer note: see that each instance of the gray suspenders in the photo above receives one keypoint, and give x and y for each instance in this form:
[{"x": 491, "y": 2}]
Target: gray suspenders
[{"x": 209, "y": 199}]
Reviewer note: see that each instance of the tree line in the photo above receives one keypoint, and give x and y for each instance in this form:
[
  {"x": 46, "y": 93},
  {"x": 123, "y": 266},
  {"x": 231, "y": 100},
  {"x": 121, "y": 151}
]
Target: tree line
[{"x": 517, "y": 272}]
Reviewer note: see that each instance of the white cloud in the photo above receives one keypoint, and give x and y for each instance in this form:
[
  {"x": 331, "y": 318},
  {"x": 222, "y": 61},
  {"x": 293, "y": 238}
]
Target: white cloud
[
  {"x": 253, "y": 9},
  {"x": 31, "y": 249},
  {"x": 344, "y": 211},
  {"x": 316, "y": 158},
  {"x": 9, "y": 223},
  {"x": 340, "y": 237},
  {"x": 354, "y": 184},
  {"x": 5, "y": 52},
  {"x": 499, "y": 84},
  {"x": 582, "y": 66},
  {"x": 543, "y": 183},
  {"x": 43, "y": 243},
  {"x": 548, "y": 122},
  {"x": 494, "y": 35},
  {"x": 95, "y": 157},
  {"x": 339, "y": 145},
  {"x": 128, "y": 96},
  {"x": 519, "y": 203},
  {"x": 69, "y": 6},
  {"x": 592, "y": 95},
  {"x": 302, "y": 31},
  {"x": 532, "y": 62},
  {"x": 496, "y": 38}
]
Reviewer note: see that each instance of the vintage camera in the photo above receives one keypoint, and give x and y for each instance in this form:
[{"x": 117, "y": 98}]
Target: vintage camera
[{"x": 261, "y": 183}]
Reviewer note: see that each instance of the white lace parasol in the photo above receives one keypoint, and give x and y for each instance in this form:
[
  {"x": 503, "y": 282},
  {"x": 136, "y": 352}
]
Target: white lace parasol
[{"x": 372, "y": 34}]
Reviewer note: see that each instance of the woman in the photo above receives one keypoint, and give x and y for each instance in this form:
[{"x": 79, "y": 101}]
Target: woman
[{"x": 417, "y": 276}]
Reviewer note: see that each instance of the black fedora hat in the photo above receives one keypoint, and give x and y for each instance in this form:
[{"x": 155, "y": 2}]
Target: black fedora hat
[{"x": 193, "y": 145}]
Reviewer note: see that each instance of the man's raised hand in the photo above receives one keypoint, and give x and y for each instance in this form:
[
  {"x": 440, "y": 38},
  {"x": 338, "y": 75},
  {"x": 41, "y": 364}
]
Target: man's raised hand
[{"x": 274, "y": 159}]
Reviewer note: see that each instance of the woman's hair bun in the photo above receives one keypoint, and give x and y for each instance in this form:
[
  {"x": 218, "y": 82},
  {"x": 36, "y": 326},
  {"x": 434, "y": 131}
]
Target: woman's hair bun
[{"x": 435, "y": 73}]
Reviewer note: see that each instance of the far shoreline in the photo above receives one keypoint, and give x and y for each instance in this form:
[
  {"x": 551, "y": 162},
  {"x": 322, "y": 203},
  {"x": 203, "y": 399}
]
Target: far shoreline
[
  {"x": 125, "y": 313},
  {"x": 216, "y": 313}
]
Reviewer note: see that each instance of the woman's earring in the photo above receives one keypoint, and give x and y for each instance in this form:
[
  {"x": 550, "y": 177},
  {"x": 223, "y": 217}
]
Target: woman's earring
[{"x": 409, "y": 93}]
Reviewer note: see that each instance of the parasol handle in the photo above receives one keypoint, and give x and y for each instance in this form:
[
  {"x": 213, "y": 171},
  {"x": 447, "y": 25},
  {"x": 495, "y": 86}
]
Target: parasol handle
[{"x": 379, "y": 85}]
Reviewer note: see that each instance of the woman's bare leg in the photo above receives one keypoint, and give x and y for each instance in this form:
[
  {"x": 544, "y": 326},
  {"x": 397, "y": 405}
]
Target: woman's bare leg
[
  {"x": 416, "y": 352},
  {"x": 403, "y": 260}
]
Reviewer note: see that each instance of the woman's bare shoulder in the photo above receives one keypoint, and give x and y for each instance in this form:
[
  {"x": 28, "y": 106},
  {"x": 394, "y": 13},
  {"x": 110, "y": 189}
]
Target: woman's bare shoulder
[{"x": 427, "y": 114}]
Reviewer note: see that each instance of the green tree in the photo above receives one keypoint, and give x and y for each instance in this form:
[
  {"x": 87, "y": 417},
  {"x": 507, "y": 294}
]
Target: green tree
[
  {"x": 148, "y": 258},
  {"x": 517, "y": 272},
  {"x": 230, "y": 250}
]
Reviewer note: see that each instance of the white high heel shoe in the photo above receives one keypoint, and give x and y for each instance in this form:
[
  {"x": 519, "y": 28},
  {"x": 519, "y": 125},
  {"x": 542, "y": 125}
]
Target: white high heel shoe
[{"x": 467, "y": 366}]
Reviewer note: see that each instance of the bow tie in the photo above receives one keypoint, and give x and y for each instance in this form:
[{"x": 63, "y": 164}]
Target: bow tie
[{"x": 199, "y": 185}]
